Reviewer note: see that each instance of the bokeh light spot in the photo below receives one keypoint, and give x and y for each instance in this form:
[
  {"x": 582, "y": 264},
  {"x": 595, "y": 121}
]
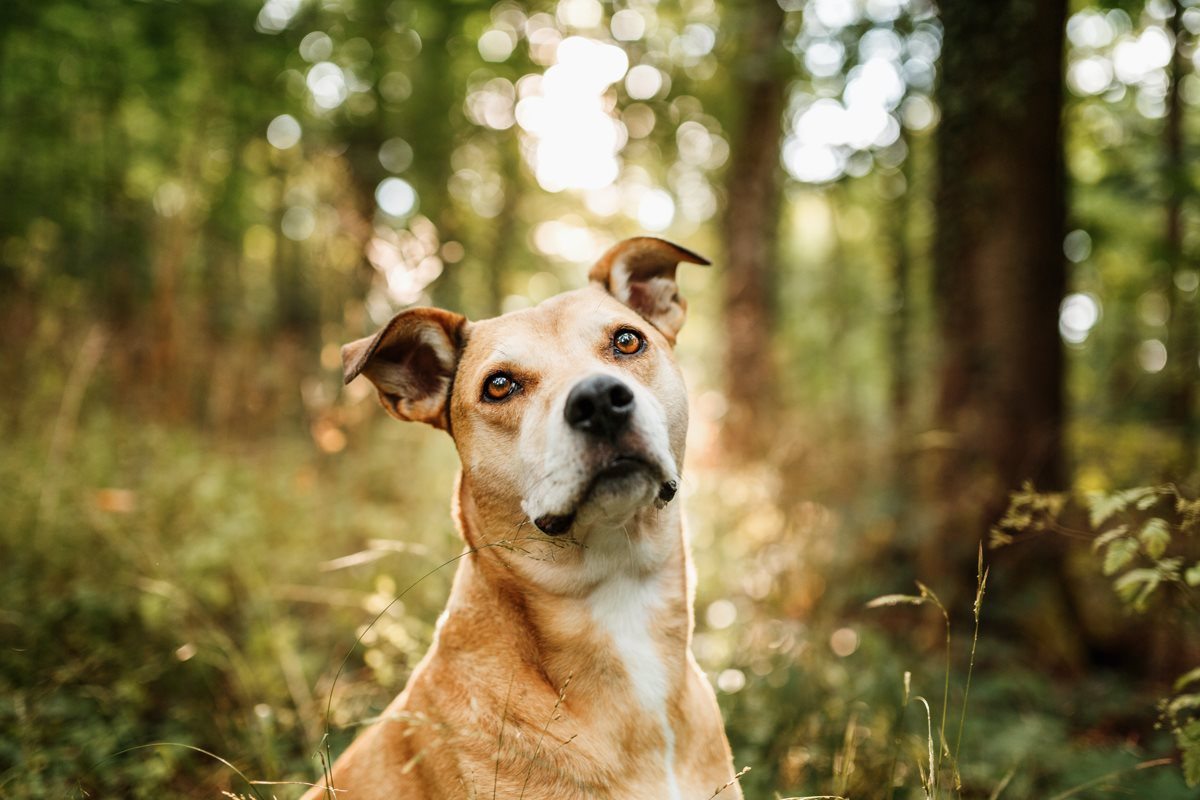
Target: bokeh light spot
[
  {"x": 395, "y": 155},
  {"x": 396, "y": 197},
  {"x": 627, "y": 25},
  {"x": 298, "y": 223},
  {"x": 843, "y": 642},
  {"x": 276, "y": 15},
  {"x": 1077, "y": 245},
  {"x": 1187, "y": 280},
  {"x": 1152, "y": 355},
  {"x": 1077, "y": 315},
  {"x": 579, "y": 13},
  {"x": 283, "y": 132},
  {"x": 496, "y": 45},
  {"x": 316, "y": 46},
  {"x": 720, "y": 614},
  {"x": 575, "y": 137},
  {"x": 656, "y": 210},
  {"x": 327, "y": 83},
  {"x": 731, "y": 681},
  {"x": 643, "y": 82}
]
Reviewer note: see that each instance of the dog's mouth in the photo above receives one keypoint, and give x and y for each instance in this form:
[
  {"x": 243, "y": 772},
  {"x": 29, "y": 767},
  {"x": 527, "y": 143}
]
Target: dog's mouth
[{"x": 616, "y": 474}]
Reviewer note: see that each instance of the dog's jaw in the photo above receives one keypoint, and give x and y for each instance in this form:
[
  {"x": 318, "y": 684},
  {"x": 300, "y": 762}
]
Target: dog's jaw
[
  {"x": 581, "y": 484},
  {"x": 612, "y": 495}
]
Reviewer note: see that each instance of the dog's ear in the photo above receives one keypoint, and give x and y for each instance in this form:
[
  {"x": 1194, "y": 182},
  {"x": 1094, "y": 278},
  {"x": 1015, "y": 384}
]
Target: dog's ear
[
  {"x": 411, "y": 361},
  {"x": 640, "y": 272}
]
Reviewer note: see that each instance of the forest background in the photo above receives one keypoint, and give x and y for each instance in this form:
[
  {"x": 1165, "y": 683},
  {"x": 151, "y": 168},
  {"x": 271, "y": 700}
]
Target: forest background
[{"x": 956, "y": 256}]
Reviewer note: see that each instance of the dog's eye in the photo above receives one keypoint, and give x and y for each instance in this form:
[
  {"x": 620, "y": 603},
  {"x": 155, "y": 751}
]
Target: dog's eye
[
  {"x": 499, "y": 386},
  {"x": 627, "y": 342}
]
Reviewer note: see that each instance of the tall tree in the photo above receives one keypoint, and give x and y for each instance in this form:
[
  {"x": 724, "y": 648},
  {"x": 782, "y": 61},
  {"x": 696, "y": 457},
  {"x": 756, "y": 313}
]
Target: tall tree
[
  {"x": 998, "y": 264},
  {"x": 751, "y": 222},
  {"x": 1182, "y": 338}
]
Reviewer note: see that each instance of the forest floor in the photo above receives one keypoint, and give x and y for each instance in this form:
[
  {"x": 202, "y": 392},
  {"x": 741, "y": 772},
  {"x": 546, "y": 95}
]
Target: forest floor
[{"x": 167, "y": 594}]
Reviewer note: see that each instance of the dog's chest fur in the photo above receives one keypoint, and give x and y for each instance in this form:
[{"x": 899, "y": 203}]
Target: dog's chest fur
[
  {"x": 633, "y": 721},
  {"x": 625, "y": 608},
  {"x": 617, "y": 651}
]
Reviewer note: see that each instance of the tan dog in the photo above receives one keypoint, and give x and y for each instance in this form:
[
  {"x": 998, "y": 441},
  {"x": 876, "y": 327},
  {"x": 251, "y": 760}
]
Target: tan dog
[{"x": 562, "y": 665}]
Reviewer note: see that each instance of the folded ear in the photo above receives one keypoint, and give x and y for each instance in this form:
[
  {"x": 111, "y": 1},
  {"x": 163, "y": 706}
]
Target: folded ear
[
  {"x": 640, "y": 272},
  {"x": 411, "y": 361}
]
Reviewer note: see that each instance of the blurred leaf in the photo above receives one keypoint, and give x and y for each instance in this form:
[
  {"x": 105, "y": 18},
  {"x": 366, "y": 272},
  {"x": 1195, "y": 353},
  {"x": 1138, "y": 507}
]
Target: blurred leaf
[
  {"x": 1141, "y": 497},
  {"x": 1119, "y": 554},
  {"x": 1102, "y": 505},
  {"x": 1109, "y": 536},
  {"x": 1190, "y": 511},
  {"x": 1188, "y": 740},
  {"x": 1155, "y": 537},
  {"x": 1192, "y": 576},
  {"x": 1147, "y": 500},
  {"x": 1136, "y": 586},
  {"x": 896, "y": 600},
  {"x": 1190, "y": 676},
  {"x": 1184, "y": 702},
  {"x": 999, "y": 538}
]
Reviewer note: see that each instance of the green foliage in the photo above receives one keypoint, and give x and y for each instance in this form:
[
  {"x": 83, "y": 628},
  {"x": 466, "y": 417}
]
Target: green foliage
[
  {"x": 1144, "y": 536},
  {"x": 1187, "y": 739},
  {"x": 175, "y": 599},
  {"x": 192, "y": 563},
  {"x": 814, "y": 720}
]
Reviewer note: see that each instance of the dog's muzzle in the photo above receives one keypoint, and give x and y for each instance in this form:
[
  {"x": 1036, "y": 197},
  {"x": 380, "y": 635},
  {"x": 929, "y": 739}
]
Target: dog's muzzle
[{"x": 601, "y": 408}]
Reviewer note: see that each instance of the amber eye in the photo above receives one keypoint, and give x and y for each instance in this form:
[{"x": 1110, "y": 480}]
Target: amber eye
[
  {"x": 626, "y": 342},
  {"x": 498, "y": 386}
]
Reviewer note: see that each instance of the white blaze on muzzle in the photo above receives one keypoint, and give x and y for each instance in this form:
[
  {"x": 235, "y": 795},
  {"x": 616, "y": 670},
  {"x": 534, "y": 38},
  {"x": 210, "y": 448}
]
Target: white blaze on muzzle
[{"x": 573, "y": 481}]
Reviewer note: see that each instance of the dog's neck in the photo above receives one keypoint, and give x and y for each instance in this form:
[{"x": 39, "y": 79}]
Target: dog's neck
[{"x": 627, "y": 623}]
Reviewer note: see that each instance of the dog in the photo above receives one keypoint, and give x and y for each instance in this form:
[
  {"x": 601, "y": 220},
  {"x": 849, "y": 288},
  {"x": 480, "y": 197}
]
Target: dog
[{"x": 562, "y": 665}]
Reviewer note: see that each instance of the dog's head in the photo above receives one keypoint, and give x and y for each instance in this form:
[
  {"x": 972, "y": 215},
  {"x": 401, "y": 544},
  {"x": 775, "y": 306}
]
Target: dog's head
[{"x": 572, "y": 414}]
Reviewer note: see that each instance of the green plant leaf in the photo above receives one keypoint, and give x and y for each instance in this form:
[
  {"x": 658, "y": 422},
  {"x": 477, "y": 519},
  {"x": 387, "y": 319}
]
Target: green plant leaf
[
  {"x": 1155, "y": 537},
  {"x": 1136, "y": 586},
  {"x": 1191, "y": 676},
  {"x": 1192, "y": 576},
  {"x": 1187, "y": 739},
  {"x": 1148, "y": 499},
  {"x": 1118, "y": 555},
  {"x": 1109, "y": 536},
  {"x": 1139, "y": 495},
  {"x": 1102, "y": 505},
  {"x": 1184, "y": 702}
]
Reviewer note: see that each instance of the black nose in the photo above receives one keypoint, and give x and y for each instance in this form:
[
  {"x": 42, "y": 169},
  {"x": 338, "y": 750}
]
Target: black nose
[{"x": 600, "y": 405}]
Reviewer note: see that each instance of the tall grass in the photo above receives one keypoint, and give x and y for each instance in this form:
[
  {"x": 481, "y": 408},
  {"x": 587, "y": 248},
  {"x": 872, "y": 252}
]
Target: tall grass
[{"x": 209, "y": 593}]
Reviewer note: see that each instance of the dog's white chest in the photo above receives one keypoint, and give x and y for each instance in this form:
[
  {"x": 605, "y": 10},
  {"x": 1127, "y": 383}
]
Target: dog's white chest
[{"x": 623, "y": 606}]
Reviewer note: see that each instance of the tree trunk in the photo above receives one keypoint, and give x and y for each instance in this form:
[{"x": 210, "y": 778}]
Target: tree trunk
[
  {"x": 999, "y": 272},
  {"x": 750, "y": 228},
  {"x": 1182, "y": 360},
  {"x": 898, "y": 347},
  {"x": 899, "y": 331}
]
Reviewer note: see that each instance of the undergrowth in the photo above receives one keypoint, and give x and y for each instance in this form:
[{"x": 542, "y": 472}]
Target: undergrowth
[
  {"x": 1147, "y": 541},
  {"x": 175, "y": 611}
]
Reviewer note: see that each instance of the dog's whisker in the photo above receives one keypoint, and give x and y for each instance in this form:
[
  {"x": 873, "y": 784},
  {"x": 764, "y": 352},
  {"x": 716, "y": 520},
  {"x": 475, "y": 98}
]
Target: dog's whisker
[{"x": 629, "y": 544}]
